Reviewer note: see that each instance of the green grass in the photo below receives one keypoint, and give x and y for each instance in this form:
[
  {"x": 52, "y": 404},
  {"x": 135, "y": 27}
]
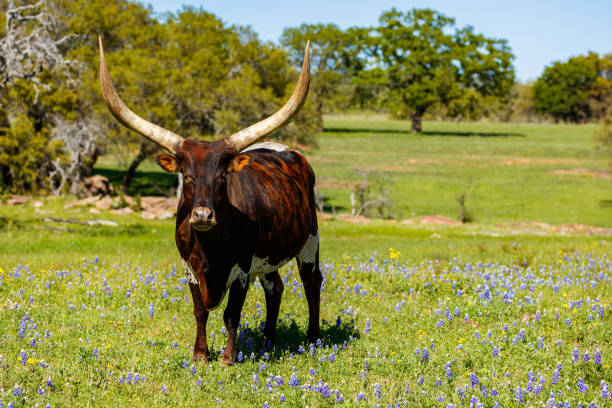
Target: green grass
[
  {"x": 505, "y": 169},
  {"x": 73, "y": 280}
]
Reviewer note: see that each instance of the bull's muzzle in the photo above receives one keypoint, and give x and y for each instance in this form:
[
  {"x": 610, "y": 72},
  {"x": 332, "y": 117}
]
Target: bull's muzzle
[{"x": 202, "y": 218}]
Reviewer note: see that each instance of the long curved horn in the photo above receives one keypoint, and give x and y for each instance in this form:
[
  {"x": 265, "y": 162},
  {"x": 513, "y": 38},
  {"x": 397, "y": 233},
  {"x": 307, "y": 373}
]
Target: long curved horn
[
  {"x": 250, "y": 135},
  {"x": 163, "y": 137}
]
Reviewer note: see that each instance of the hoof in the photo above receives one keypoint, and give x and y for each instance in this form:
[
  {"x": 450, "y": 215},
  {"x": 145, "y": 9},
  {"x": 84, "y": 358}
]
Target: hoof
[
  {"x": 201, "y": 356},
  {"x": 229, "y": 360},
  {"x": 268, "y": 344},
  {"x": 313, "y": 337}
]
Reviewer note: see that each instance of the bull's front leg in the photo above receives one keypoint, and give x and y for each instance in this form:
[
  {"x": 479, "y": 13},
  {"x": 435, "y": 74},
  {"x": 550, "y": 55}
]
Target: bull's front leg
[
  {"x": 200, "y": 348},
  {"x": 231, "y": 317}
]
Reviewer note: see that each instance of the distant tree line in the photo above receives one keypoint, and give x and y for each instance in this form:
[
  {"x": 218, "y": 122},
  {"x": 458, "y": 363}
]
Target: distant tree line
[{"x": 192, "y": 73}]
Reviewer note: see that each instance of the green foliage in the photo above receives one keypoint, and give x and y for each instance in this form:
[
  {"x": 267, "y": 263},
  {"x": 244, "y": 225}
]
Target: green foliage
[
  {"x": 22, "y": 155},
  {"x": 575, "y": 91},
  {"x": 423, "y": 64},
  {"x": 188, "y": 72},
  {"x": 334, "y": 58}
]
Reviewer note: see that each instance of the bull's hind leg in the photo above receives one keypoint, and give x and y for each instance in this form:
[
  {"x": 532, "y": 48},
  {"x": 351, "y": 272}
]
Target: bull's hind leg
[
  {"x": 308, "y": 262},
  {"x": 231, "y": 317},
  {"x": 273, "y": 287}
]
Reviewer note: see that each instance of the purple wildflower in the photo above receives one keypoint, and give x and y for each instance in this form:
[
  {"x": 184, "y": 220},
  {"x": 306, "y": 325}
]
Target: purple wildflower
[
  {"x": 582, "y": 387},
  {"x": 473, "y": 380},
  {"x": 449, "y": 371},
  {"x": 597, "y": 358}
]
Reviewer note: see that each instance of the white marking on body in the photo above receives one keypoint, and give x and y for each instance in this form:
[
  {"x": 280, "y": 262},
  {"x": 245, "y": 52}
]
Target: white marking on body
[
  {"x": 259, "y": 267},
  {"x": 192, "y": 277},
  {"x": 308, "y": 253},
  {"x": 268, "y": 285},
  {"x": 266, "y": 145}
]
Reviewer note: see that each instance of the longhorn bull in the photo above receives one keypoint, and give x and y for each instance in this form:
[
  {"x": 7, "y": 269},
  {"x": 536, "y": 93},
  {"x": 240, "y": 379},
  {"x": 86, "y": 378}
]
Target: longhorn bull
[{"x": 245, "y": 211}]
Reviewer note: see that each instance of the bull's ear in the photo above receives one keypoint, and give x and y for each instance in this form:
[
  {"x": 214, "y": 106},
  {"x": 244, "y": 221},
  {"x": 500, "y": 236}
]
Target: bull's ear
[
  {"x": 168, "y": 163},
  {"x": 238, "y": 163}
]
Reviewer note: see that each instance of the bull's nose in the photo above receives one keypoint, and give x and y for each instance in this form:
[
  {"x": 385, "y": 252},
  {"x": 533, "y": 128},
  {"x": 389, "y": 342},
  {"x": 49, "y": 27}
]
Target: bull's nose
[{"x": 203, "y": 218}]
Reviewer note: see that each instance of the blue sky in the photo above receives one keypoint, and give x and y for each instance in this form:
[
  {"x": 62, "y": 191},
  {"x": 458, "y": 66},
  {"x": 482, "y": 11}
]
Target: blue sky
[{"x": 539, "y": 31}]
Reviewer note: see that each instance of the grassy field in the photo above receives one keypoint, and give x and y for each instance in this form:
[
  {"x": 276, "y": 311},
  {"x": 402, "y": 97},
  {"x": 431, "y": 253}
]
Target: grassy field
[
  {"x": 506, "y": 170},
  {"x": 414, "y": 315}
]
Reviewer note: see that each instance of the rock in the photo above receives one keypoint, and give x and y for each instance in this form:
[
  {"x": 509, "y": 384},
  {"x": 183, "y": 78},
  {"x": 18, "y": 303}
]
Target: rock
[
  {"x": 94, "y": 210},
  {"x": 164, "y": 215},
  {"x": 18, "y": 200},
  {"x": 97, "y": 186},
  {"x": 147, "y": 215},
  {"x": 103, "y": 203},
  {"x": 81, "y": 203},
  {"x": 122, "y": 211}
]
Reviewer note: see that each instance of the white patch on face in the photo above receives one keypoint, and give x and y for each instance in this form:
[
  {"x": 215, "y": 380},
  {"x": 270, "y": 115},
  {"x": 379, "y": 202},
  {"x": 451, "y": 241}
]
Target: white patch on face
[
  {"x": 192, "y": 277},
  {"x": 309, "y": 250}
]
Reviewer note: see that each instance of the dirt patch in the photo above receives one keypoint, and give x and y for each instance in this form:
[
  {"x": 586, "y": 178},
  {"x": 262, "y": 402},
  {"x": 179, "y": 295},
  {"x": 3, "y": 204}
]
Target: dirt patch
[
  {"x": 525, "y": 161},
  {"x": 564, "y": 229},
  {"x": 330, "y": 182},
  {"x": 584, "y": 172},
  {"x": 432, "y": 219}
]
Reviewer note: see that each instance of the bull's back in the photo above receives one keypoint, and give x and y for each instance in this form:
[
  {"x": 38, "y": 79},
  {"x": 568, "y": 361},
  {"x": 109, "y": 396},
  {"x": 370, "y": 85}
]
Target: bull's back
[{"x": 275, "y": 189}]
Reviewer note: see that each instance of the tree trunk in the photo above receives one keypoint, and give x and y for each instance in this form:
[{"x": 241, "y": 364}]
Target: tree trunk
[
  {"x": 145, "y": 151},
  {"x": 416, "y": 118}
]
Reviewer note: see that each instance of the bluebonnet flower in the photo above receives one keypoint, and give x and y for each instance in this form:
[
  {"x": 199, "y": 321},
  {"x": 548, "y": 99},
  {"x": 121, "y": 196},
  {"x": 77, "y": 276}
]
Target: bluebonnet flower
[
  {"x": 575, "y": 355},
  {"x": 420, "y": 380},
  {"x": 192, "y": 370},
  {"x": 255, "y": 378},
  {"x": 368, "y": 325},
  {"x": 332, "y": 358},
  {"x": 473, "y": 380},
  {"x": 449, "y": 371},
  {"x": 495, "y": 352},
  {"x": 582, "y": 387},
  {"x": 185, "y": 365},
  {"x": 293, "y": 381},
  {"x": 518, "y": 395},
  {"x": 597, "y": 358},
  {"x": 438, "y": 382},
  {"x": 604, "y": 389},
  {"x": 23, "y": 324},
  {"x": 301, "y": 349},
  {"x": 555, "y": 377},
  {"x": 425, "y": 357},
  {"x": 586, "y": 356},
  {"x": 282, "y": 398},
  {"x": 23, "y": 356},
  {"x": 17, "y": 390},
  {"x": 240, "y": 357},
  {"x": 199, "y": 381},
  {"x": 360, "y": 396},
  {"x": 95, "y": 353},
  {"x": 150, "y": 309},
  {"x": 40, "y": 391},
  {"x": 461, "y": 393},
  {"x": 377, "y": 391}
]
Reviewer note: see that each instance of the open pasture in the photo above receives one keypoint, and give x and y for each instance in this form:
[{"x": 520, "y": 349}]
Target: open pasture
[{"x": 431, "y": 316}]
